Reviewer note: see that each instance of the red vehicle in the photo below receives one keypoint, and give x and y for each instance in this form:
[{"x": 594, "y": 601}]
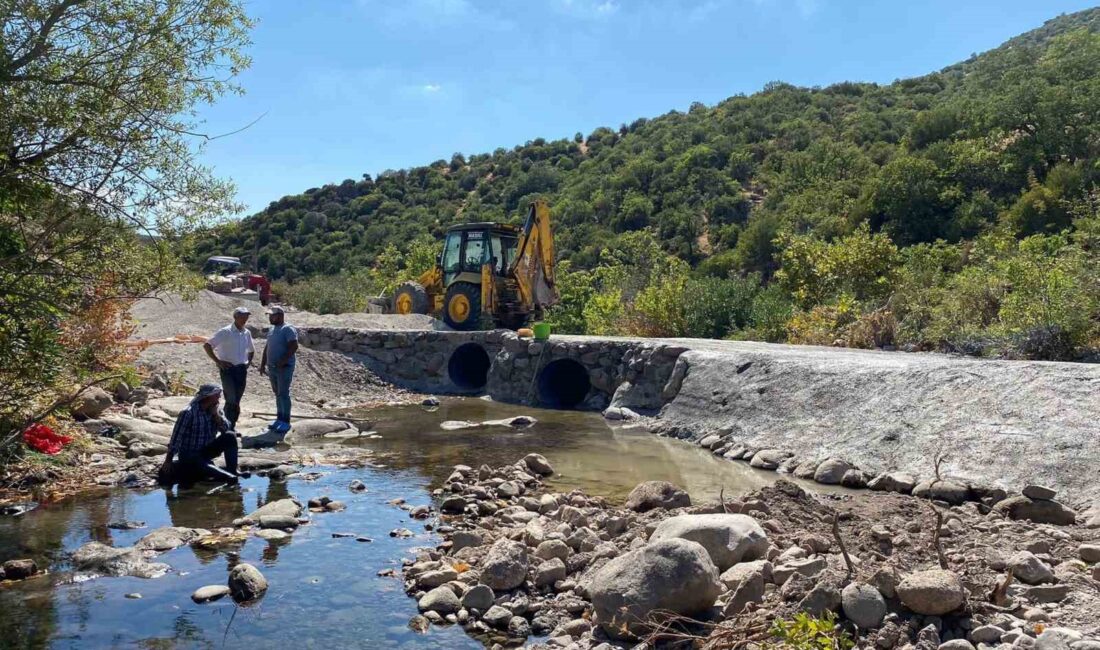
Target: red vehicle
[{"x": 225, "y": 275}]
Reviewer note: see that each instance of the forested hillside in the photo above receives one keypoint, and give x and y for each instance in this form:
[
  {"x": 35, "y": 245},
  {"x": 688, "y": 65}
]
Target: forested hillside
[{"x": 955, "y": 210}]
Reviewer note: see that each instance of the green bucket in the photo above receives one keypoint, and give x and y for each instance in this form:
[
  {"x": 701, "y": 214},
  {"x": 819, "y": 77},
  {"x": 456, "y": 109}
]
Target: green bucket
[{"x": 542, "y": 331}]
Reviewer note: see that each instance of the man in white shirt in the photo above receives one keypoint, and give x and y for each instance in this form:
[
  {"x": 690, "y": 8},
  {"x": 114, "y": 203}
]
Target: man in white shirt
[{"x": 232, "y": 349}]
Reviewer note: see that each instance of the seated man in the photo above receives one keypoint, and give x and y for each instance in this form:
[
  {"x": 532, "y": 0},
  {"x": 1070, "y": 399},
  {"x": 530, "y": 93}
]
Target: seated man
[{"x": 201, "y": 434}]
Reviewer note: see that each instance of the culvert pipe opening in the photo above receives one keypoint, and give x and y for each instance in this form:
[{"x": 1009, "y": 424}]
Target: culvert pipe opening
[
  {"x": 468, "y": 367},
  {"x": 563, "y": 384}
]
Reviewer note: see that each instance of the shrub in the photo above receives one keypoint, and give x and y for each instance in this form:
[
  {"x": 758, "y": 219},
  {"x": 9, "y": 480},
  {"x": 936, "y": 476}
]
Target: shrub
[
  {"x": 804, "y": 632},
  {"x": 716, "y": 307}
]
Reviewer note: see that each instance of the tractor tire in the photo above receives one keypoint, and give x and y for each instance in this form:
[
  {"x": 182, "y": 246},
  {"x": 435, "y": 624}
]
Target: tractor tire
[
  {"x": 462, "y": 306},
  {"x": 410, "y": 298}
]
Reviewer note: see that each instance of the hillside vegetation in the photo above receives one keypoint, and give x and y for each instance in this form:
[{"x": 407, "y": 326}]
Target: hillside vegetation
[{"x": 958, "y": 210}]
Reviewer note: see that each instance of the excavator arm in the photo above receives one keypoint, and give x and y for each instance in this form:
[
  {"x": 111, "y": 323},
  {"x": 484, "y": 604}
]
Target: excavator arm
[{"x": 533, "y": 268}]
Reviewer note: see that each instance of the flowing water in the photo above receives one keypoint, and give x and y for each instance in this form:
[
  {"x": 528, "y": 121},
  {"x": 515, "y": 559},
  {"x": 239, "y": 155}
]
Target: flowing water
[{"x": 325, "y": 591}]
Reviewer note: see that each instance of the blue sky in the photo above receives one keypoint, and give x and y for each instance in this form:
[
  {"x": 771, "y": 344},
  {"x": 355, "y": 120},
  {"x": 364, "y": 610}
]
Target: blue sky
[{"x": 348, "y": 87}]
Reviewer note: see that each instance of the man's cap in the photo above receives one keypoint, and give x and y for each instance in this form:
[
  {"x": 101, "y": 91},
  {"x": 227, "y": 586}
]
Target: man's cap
[
  {"x": 276, "y": 310},
  {"x": 241, "y": 311}
]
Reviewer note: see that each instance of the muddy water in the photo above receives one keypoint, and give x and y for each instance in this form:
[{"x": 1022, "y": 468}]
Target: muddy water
[
  {"x": 325, "y": 591},
  {"x": 586, "y": 451}
]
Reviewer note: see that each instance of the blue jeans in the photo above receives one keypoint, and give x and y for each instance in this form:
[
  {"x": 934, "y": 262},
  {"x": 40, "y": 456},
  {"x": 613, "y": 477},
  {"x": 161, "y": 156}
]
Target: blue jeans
[{"x": 280, "y": 385}]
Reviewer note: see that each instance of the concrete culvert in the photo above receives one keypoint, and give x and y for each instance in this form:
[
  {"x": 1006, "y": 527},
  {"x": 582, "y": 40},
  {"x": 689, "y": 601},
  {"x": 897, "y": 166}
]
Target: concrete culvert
[
  {"x": 469, "y": 366},
  {"x": 563, "y": 384}
]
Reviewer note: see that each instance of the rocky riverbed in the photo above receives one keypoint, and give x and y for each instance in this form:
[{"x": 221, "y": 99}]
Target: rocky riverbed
[{"x": 896, "y": 571}]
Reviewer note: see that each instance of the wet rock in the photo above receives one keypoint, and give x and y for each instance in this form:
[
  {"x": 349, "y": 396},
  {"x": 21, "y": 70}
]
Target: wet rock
[
  {"x": 537, "y": 463},
  {"x": 675, "y": 575},
  {"x": 335, "y": 506},
  {"x": 133, "y": 596},
  {"x": 1030, "y": 569},
  {"x": 92, "y": 402},
  {"x": 863, "y": 605},
  {"x": 932, "y": 593},
  {"x": 419, "y": 624},
  {"x": 1036, "y": 510},
  {"x": 283, "y": 507},
  {"x": 246, "y": 583},
  {"x": 19, "y": 569},
  {"x": 478, "y": 597},
  {"x": 126, "y": 525},
  {"x": 272, "y": 534},
  {"x": 1039, "y": 493},
  {"x": 550, "y": 572},
  {"x": 831, "y": 471},
  {"x": 728, "y": 539},
  {"x": 505, "y": 565},
  {"x": 656, "y": 494},
  {"x": 277, "y": 521},
  {"x": 401, "y": 532},
  {"x": 127, "y": 561},
  {"x": 209, "y": 593},
  {"x": 899, "y": 482},
  {"x": 357, "y": 486},
  {"x": 941, "y": 490},
  {"x": 441, "y": 600},
  {"x": 169, "y": 537}
]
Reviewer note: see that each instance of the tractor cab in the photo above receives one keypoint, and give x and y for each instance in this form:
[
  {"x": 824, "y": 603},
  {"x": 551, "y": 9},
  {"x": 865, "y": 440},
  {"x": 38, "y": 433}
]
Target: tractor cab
[
  {"x": 221, "y": 265},
  {"x": 470, "y": 246}
]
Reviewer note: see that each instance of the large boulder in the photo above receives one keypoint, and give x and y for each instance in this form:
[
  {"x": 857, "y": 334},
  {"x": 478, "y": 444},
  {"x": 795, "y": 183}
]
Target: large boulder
[
  {"x": 893, "y": 482},
  {"x": 538, "y": 464},
  {"x": 92, "y": 402},
  {"x": 505, "y": 565},
  {"x": 670, "y": 575},
  {"x": 107, "y": 560},
  {"x": 932, "y": 593},
  {"x": 246, "y": 583},
  {"x": 831, "y": 471},
  {"x": 441, "y": 600},
  {"x": 1039, "y": 511},
  {"x": 942, "y": 490},
  {"x": 728, "y": 539},
  {"x": 863, "y": 605},
  {"x": 651, "y": 495}
]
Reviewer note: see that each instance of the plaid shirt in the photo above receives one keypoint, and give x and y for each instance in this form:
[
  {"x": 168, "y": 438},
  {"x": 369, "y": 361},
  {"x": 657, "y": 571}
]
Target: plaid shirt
[{"x": 195, "y": 428}]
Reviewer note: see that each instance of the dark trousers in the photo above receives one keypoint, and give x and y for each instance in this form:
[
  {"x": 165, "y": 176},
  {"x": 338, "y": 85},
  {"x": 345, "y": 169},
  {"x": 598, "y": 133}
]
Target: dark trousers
[
  {"x": 233, "y": 382},
  {"x": 198, "y": 466}
]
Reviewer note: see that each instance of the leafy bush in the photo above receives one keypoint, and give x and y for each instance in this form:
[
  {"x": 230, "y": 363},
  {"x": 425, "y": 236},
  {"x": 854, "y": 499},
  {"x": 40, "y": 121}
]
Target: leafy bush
[{"x": 804, "y": 632}]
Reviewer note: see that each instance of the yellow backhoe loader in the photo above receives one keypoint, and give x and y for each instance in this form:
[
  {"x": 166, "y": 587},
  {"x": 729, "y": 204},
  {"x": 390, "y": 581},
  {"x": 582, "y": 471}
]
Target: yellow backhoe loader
[{"x": 489, "y": 275}]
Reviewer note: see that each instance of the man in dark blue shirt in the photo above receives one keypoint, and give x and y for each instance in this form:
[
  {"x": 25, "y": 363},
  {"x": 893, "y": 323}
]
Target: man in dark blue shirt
[{"x": 201, "y": 434}]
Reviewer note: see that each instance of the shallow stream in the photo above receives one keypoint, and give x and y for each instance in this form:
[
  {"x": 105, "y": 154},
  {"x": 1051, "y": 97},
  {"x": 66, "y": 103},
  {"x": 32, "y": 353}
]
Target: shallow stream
[{"x": 325, "y": 591}]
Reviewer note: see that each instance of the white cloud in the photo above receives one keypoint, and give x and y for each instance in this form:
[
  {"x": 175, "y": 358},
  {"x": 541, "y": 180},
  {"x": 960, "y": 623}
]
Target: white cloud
[{"x": 431, "y": 88}]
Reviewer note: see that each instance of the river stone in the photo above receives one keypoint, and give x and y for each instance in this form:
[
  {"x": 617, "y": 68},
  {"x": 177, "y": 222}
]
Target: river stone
[
  {"x": 932, "y": 593},
  {"x": 441, "y": 600},
  {"x": 464, "y": 538},
  {"x": 805, "y": 469},
  {"x": 728, "y": 539},
  {"x": 537, "y": 463},
  {"x": 497, "y": 616},
  {"x": 1089, "y": 553},
  {"x": 1039, "y": 492},
  {"x": 518, "y": 628},
  {"x": 92, "y": 402},
  {"x": 209, "y": 593},
  {"x": 1057, "y": 638},
  {"x": 283, "y": 507},
  {"x": 437, "y": 578},
  {"x": 453, "y": 504},
  {"x": 552, "y": 548},
  {"x": 125, "y": 561},
  {"x": 1036, "y": 510},
  {"x": 479, "y": 597},
  {"x": 1029, "y": 569},
  {"x": 899, "y": 482},
  {"x": 168, "y": 538},
  {"x": 505, "y": 565},
  {"x": 863, "y": 605},
  {"x": 277, "y": 521},
  {"x": 246, "y": 583},
  {"x": 769, "y": 458},
  {"x": 550, "y": 572},
  {"x": 831, "y": 471},
  {"x": 674, "y": 575},
  {"x": 19, "y": 569},
  {"x": 990, "y": 634},
  {"x": 941, "y": 490},
  {"x": 956, "y": 644},
  {"x": 271, "y": 534},
  {"x": 656, "y": 494}
]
